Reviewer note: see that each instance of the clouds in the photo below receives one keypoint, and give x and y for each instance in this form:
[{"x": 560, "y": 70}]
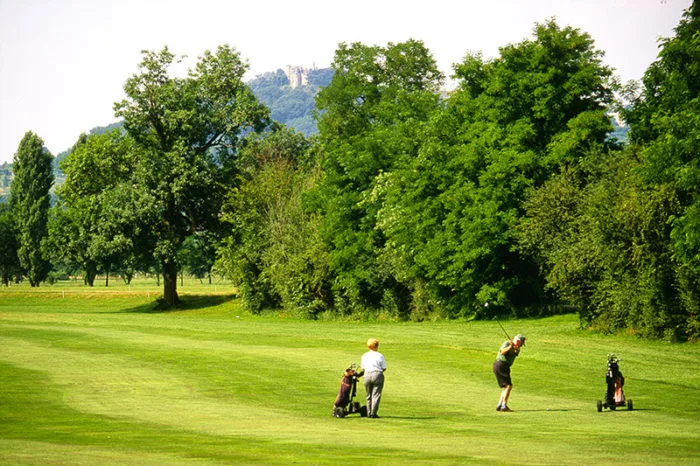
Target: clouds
[{"x": 63, "y": 62}]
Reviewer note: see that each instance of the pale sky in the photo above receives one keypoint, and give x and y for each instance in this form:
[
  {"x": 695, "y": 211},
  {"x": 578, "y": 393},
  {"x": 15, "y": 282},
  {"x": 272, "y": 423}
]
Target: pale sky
[{"x": 63, "y": 63}]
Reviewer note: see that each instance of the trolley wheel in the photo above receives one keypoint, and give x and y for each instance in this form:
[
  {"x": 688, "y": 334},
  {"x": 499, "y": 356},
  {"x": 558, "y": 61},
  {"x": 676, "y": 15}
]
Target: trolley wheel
[
  {"x": 599, "y": 405},
  {"x": 363, "y": 411},
  {"x": 629, "y": 405}
]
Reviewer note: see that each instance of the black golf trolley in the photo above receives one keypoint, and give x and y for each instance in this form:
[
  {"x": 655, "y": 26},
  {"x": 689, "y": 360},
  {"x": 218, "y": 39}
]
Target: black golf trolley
[
  {"x": 344, "y": 403},
  {"x": 614, "y": 395}
]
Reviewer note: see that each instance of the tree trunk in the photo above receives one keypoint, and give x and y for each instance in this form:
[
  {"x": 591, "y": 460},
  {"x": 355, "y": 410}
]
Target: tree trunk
[
  {"x": 90, "y": 274},
  {"x": 170, "y": 284}
]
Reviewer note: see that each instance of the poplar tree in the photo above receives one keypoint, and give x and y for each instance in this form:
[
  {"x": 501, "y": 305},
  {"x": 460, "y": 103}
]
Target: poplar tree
[{"x": 29, "y": 199}]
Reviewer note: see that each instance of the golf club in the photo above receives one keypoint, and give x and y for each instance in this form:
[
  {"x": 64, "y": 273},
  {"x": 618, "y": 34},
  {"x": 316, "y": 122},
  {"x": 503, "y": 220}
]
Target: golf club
[
  {"x": 499, "y": 323},
  {"x": 504, "y": 330}
]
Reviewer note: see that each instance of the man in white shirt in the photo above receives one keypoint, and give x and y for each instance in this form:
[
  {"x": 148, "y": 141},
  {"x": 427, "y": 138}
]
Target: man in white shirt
[{"x": 374, "y": 365}]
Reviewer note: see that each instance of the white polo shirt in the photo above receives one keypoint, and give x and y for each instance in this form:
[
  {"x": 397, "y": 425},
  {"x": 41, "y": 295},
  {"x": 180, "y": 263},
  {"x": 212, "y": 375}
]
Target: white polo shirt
[{"x": 373, "y": 361}]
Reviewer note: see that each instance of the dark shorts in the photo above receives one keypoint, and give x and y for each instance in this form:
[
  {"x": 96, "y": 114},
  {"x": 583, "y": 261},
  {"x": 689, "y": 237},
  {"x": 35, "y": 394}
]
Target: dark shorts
[{"x": 502, "y": 372}]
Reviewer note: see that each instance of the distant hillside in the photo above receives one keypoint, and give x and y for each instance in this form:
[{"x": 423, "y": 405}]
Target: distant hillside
[
  {"x": 5, "y": 180},
  {"x": 620, "y": 129},
  {"x": 290, "y": 95}
]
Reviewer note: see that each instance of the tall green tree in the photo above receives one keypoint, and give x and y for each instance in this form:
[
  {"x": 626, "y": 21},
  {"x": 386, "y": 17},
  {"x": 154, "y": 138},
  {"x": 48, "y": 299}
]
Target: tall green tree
[
  {"x": 123, "y": 240},
  {"x": 512, "y": 122},
  {"x": 30, "y": 202},
  {"x": 9, "y": 262},
  {"x": 93, "y": 226},
  {"x": 665, "y": 120},
  {"x": 618, "y": 238},
  {"x": 372, "y": 119},
  {"x": 187, "y": 130},
  {"x": 274, "y": 251}
]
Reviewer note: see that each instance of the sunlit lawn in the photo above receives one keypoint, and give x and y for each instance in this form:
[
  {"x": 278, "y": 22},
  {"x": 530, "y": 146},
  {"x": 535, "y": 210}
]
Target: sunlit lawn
[{"x": 96, "y": 376}]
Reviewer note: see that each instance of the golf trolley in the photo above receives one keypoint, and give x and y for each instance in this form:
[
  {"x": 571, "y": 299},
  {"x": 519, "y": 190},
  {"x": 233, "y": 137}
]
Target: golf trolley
[
  {"x": 614, "y": 395},
  {"x": 344, "y": 403}
]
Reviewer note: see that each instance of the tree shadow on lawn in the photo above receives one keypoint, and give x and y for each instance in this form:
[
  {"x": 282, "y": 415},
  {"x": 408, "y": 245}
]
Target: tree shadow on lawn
[
  {"x": 621, "y": 410},
  {"x": 625, "y": 410},
  {"x": 187, "y": 303}
]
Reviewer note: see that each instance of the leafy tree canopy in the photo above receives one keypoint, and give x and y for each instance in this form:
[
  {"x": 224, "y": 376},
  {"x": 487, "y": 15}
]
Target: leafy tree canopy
[
  {"x": 187, "y": 131},
  {"x": 372, "y": 118},
  {"x": 512, "y": 122}
]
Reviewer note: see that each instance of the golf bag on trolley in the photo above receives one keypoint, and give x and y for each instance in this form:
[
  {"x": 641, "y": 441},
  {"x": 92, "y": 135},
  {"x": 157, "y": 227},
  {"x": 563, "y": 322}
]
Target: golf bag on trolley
[
  {"x": 614, "y": 395},
  {"x": 344, "y": 403}
]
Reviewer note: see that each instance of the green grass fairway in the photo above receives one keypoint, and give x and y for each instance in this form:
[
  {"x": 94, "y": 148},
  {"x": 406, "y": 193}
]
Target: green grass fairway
[{"x": 100, "y": 378}]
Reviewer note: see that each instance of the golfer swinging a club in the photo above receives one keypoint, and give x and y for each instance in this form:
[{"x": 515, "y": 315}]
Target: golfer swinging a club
[{"x": 507, "y": 353}]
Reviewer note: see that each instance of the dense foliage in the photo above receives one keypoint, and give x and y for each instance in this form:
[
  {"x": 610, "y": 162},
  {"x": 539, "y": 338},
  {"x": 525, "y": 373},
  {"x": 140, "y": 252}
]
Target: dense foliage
[
  {"x": 58, "y": 160},
  {"x": 274, "y": 252},
  {"x": 619, "y": 238},
  {"x": 98, "y": 223},
  {"x": 9, "y": 262},
  {"x": 508, "y": 195},
  {"x": 374, "y": 116},
  {"x": 512, "y": 122}
]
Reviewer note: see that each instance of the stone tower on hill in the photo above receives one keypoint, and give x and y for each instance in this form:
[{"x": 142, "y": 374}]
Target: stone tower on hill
[{"x": 297, "y": 75}]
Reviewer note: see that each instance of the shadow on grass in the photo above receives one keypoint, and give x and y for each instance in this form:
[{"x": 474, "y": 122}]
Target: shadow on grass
[
  {"x": 545, "y": 410},
  {"x": 412, "y": 418},
  {"x": 669, "y": 384},
  {"x": 187, "y": 303},
  {"x": 625, "y": 410}
]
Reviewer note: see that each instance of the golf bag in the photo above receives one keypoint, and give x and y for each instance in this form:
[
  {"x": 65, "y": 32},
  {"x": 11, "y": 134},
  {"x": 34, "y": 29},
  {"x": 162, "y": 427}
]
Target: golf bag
[
  {"x": 344, "y": 403},
  {"x": 614, "y": 395}
]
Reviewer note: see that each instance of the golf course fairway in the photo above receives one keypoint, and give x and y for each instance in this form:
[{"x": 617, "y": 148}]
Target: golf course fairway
[{"x": 98, "y": 378}]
